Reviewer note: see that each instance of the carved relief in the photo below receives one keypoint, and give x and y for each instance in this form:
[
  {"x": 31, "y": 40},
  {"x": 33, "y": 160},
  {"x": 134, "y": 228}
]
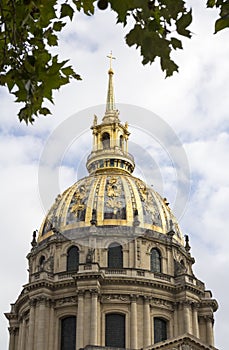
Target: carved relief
[
  {"x": 179, "y": 268},
  {"x": 115, "y": 297},
  {"x": 78, "y": 203},
  {"x": 90, "y": 255},
  {"x": 67, "y": 300},
  {"x": 161, "y": 303},
  {"x": 47, "y": 265},
  {"x": 149, "y": 205},
  {"x": 114, "y": 201},
  {"x": 78, "y": 200},
  {"x": 114, "y": 188}
]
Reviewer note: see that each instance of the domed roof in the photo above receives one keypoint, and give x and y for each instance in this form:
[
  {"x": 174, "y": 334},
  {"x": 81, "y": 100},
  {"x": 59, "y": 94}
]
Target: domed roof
[
  {"x": 109, "y": 199},
  {"x": 110, "y": 196}
]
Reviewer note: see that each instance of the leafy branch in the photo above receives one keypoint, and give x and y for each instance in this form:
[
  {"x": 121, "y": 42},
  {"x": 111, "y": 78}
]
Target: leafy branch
[{"x": 30, "y": 28}]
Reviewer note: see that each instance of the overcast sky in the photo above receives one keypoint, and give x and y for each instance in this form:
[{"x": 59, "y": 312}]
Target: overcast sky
[{"x": 192, "y": 105}]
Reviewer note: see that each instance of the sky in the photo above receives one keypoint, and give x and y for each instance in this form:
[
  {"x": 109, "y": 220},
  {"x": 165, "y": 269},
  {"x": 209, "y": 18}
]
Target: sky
[{"x": 181, "y": 123}]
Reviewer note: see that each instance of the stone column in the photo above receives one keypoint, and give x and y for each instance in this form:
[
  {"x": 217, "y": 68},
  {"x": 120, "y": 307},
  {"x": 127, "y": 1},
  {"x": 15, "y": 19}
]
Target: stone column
[
  {"x": 195, "y": 322},
  {"x": 31, "y": 325},
  {"x": 176, "y": 320},
  {"x": 94, "y": 141},
  {"x": 19, "y": 334},
  {"x": 41, "y": 338},
  {"x": 51, "y": 327},
  {"x": 12, "y": 331},
  {"x": 133, "y": 323},
  {"x": 187, "y": 320},
  {"x": 146, "y": 323},
  {"x": 94, "y": 318},
  {"x": 209, "y": 330},
  {"x": 80, "y": 321},
  {"x": 22, "y": 340}
]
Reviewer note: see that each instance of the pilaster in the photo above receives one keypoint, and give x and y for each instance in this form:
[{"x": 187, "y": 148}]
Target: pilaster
[
  {"x": 94, "y": 318},
  {"x": 146, "y": 323},
  {"x": 80, "y": 321},
  {"x": 195, "y": 323},
  {"x": 31, "y": 324},
  {"x": 133, "y": 323}
]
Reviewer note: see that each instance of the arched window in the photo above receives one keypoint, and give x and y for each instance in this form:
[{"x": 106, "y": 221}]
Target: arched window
[
  {"x": 115, "y": 331},
  {"x": 121, "y": 141},
  {"x": 73, "y": 258},
  {"x": 68, "y": 333},
  {"x": 106, "y": 140},
  {"x": 155, "y": 260},
  {"x": 115, "y": 258},
  {"x": 41, "y": 263},
  {"x": 42, "y": 260},
  {"x": 160, "y": 329}
]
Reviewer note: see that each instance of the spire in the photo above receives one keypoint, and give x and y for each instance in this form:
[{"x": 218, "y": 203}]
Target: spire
[
  {"x": 110, "y": 106},
  {"x": 110, "y": 140}
]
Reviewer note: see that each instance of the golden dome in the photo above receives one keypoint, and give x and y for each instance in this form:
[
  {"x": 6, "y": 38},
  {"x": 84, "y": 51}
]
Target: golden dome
[
  {"x": 110, "y": 196},
  {"x": 109, "y": 199}
]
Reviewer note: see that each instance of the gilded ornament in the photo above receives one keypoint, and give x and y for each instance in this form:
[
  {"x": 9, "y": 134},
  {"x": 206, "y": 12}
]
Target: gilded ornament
[
  {"x": 114, "y": 187},
  {"x": 78, "y": 199},
  {"x": 115, "y": 204}
]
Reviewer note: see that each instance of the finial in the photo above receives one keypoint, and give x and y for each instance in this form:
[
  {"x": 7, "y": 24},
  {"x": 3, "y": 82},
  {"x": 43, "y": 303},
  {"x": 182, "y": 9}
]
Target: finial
[
  {"x": 111, "y": 57},
  {"x": 34, "y": 242},
  {"x": 187, "y": 246}
]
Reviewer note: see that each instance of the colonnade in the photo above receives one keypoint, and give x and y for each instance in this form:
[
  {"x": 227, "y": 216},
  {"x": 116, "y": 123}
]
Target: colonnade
[{"x": 37, "y": 330}]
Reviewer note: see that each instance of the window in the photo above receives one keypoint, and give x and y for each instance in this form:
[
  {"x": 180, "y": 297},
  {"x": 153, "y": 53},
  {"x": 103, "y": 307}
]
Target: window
[
  {"x": 68, "y": 333},
  {"x": 160, "y": 330},
  {"x": 73, "y": 258},
  {"x": 115, "y": 331},
  {"x": 42, "y": 260},
  {"x": 106, "y": 140},
  {"x": 155, "y": 260},
  {"x": 41, "y": 263},
  {"x": 115, "y": 258},
  {"x": 121, "y": 141}
]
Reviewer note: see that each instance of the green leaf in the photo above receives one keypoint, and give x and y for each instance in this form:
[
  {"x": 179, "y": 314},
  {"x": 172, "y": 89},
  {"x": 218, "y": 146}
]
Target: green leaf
[
  {"x": 86, "y": 5},
  {"x": 134, "y": 36},
  {"x": 57, "y": 26},
  {"x": 183, "y": 22},
  {"x": 26, "y": 115},
  {"x": 211, "y": 3},
  {"x": 52, "y": 40},
  {"x": 174, "y": 8},
  {"x": 154, "y": 26},
  {"x": 76, "y": 76},
  {"x": 44, "y": 111},
  {"x": 68, "y": 70},
  {"x": 220, "y": 24},
  {"x": 169, "y": 66},
  {"x": 21, "y": 95},
  {"x": 66, "y": 11},
  {"x": 224, "y": 12},
  {"x": 121, "y": 8},
  {"x": 176, "y": 44}
]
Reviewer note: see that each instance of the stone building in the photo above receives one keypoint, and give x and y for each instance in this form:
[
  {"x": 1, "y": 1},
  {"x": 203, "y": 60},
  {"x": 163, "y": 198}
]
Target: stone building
[{"x": 110, "y": 267}]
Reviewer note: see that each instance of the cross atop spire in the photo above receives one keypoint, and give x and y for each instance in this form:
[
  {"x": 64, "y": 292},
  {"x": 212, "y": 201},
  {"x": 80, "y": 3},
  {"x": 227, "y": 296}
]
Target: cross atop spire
[
  {"x": 110, "y": 106},
  {"x": 111, "y": 57}
]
